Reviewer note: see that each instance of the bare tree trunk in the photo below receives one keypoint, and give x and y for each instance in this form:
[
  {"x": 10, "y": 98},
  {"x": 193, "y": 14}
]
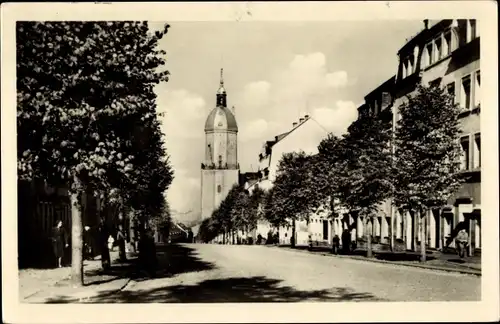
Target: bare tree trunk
[
  {"x": 369, "y": 232},
  {"x": 405, "y": 229},
  {"x": 76, "y": 242},
  {"x": 391, "y": 229},
  {"x": 423, "y": 235},
  {"x": 294, "y": 238},
  {"x": 414, "y": 221}
]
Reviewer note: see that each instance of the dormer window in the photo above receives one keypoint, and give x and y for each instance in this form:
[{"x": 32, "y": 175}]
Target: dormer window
[{"x": 471, "y": 30}]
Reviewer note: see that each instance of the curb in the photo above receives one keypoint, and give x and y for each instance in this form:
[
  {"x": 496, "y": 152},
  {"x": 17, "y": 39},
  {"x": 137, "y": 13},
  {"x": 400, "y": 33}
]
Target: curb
[
  {"x": 416, "y": 265},
  {"x": 99, "y": 294}
]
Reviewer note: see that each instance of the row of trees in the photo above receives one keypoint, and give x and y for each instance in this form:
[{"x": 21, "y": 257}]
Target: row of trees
[
  {"x": 87, "y": 118},
  {"x": 417, "y": 166}
]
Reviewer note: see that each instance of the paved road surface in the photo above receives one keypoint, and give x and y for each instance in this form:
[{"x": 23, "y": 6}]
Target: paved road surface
[{"x": 228, "y": 273}]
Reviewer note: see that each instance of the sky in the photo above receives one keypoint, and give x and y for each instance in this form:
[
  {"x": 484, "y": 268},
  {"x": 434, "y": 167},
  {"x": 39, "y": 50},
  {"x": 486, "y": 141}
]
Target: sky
[{"x": 274, "y": 73}]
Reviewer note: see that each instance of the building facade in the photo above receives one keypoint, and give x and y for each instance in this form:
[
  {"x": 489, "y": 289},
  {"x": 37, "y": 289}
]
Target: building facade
[
  {"x": 446, "y": 53},
  {"x": 40, "y": 206},
  {"x": 220, "y": 168}
]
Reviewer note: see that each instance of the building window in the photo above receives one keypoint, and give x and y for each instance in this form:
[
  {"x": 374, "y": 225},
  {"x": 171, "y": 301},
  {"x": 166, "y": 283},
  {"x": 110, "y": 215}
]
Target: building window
[
  {"x": 471, "y": 29},
  {"x": 220, "y": 160},
  {"x": 435, "y": 83},
  {"x": 429, "y": 54},
  {"x": 447, "y": 43},
  {"x": 466, "y": 93},
  {"x": 464, "y": 163},
  {"x": 477, "y": 89},
  {"x": 325, "y": 230},
  {"x": 439, "y": 49},
  {"x": 451, "y": 90},
  {"x": 410, "y": 66},
  {"x": 219, "y": 188},
  {"x": 477, "y": 151}
]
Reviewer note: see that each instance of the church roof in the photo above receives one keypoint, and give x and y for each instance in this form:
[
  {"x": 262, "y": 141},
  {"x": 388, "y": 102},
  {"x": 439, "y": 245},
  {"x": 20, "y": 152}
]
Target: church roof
[{"x": 228, "y": 120}]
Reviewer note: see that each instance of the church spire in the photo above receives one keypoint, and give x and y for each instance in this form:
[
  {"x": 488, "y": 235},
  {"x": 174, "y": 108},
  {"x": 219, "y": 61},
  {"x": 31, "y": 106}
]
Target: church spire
[{"x": 221, "y": 93}]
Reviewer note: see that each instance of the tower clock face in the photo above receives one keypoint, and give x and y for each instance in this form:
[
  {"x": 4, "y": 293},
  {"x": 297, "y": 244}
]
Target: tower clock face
[{"x": 220, "y": 124}]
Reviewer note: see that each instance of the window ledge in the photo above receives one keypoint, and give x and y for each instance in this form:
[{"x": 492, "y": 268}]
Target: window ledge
[
  {"x": 466, "y": 112},
  {"x": 437, "y": 62}
]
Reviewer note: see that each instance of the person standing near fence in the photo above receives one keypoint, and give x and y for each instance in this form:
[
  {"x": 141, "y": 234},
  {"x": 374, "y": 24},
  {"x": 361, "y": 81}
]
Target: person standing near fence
[{"x": 59, "y": 242}]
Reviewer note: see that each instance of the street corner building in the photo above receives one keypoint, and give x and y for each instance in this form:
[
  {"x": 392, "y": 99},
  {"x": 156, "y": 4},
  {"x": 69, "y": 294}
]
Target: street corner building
[
  {"x": 446, "y": 53},
  {"x": 220, "y": 168}
]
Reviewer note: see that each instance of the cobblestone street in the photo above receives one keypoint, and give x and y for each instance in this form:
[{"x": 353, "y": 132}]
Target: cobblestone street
[{"x": 225, "y": 273}]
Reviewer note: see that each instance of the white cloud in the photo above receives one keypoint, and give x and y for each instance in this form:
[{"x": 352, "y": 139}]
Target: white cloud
[
  {"x": 258, "y": 128},
  {"x": 304, "y": 86},
  {"x": 336, "y": 79},
  {"x": 338, "y": 118},
  {"x": 184, "y": 113}
]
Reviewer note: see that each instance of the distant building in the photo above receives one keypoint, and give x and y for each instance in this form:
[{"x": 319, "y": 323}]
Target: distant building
[{"x": 220, "y": 168}]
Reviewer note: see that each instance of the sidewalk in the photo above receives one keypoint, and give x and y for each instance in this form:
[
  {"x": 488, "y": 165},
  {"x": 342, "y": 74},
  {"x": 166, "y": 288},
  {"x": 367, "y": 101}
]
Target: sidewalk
[
  {"x": 435, "y": 260},
  {"x": 44, "y": 285}
]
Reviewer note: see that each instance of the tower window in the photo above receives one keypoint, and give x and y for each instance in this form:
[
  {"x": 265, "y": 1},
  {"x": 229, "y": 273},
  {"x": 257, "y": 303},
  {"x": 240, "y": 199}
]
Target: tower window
[
  {"x": 219, "y": 188},
  {"x": 220, "y": 160}
]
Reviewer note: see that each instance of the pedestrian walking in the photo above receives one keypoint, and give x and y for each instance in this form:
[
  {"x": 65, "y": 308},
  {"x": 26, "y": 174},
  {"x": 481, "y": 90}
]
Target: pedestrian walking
[
  {"x": 461, "y": 242},
  {"x": 120, "y": 239},
  {"x": 335, "y": 244},
  {"x": 59, "y": 242},
  {"x": 87, "y": 243},
  {"x": 346, "y": 242},
  {"x": 102, "y": 237}
]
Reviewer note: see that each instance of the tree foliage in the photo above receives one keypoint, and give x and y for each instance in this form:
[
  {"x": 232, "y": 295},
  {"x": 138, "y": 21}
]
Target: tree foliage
[
  {"x": 292, "y": 196},
  {"x": 86, "y": 112},
  {"x": 428, "y": 154},
  {"x": 368, "y": 160},
  {"x": 330, "y": 172},
  {"x": 82, "y": 89}
]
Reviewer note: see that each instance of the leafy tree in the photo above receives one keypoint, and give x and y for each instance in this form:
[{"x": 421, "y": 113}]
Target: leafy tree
[
  {"x": 292, "y": 194},
  {"x": 255, "y": 206},
  {"x": 81, "y": 88},
  {"x": 330, "y": 173},
  {"x": 427, "y": 158},
  {"x": 367, "y": 154},
  {"x": 241, "y": 214}
]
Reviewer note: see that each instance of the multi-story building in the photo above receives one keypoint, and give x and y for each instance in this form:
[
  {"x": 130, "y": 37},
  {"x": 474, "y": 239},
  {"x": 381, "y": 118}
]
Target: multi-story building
[{"x": 446, "y": 53}]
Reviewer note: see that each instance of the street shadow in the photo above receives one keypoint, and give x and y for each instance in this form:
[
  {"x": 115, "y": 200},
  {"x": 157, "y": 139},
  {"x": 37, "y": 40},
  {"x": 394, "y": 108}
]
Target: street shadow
[
  {"x": 402, "y": 256},
  {"x": 459, "y": 261},
  {"x": 230, "y": 290},
  {"x": 171, "y": 260}
]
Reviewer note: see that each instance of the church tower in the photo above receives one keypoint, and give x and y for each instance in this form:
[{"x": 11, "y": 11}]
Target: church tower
[{"x": 220, "y": 168}]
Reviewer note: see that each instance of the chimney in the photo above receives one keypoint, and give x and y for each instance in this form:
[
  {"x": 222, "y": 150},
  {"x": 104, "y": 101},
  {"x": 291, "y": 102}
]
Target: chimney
[
  {"x": 426, "y": 23},
  {"x": 301, "y": 120},
  {"x": 306, "y": 116},
  {"x": 276, "y": 138},
  {"x": 294, "y": 124}
]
